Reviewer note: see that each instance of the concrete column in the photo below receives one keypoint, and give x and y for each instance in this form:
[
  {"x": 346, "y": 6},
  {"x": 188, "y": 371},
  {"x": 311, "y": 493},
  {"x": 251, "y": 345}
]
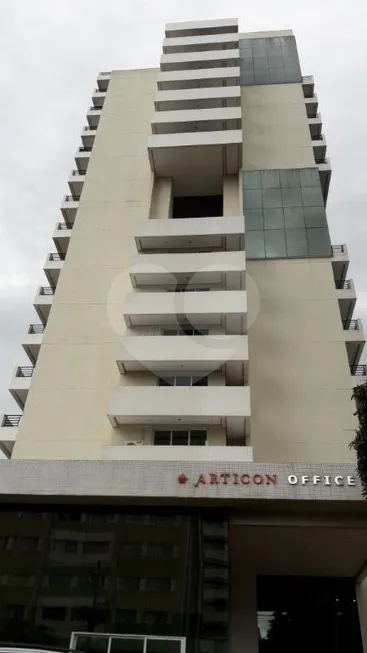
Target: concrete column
[
  {"x": 161, "y": 202},
  {"x": 361, "y": 593},
  {"x": 231, "y": 196},
  {"x": 243, "y": 635}
]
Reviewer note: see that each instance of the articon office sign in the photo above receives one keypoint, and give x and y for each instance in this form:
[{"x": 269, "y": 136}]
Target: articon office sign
[{"x": 230, "y": 478}]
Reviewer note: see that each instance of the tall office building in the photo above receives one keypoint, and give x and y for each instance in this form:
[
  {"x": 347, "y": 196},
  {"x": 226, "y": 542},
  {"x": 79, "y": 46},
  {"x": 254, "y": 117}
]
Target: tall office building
[{"x": 181, "y": 478}]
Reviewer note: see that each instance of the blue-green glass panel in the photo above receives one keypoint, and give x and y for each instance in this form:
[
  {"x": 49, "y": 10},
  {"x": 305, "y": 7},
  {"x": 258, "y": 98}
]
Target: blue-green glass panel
[
  {"x": 294, "y": 217},
  {"x": 275, "y": 244},
  {"x": 273, "y": 219},
  {"x": 289, "y": 178},
  {"x": 253, "y": 199},
  {"x": 254, "y": 219},
  {"x": 312, "y": 196},
  {"x": 272, "y": 198},
  {"x": 255, "y": 244},
  {"x": 297, "y": 244},
  {"x": 309, "y": 177},
  {"x": 252, "y": 180},
  {"x": 270, "y": 179},
  {"x": 319, "y": 242},
  {"x": 291, "y": 197},
  {"x": 315, "y": 216}
]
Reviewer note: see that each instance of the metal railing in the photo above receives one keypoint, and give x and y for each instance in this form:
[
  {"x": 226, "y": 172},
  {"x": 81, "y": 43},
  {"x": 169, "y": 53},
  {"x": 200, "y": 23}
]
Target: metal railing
[
  {"x": 11, "y": 420},
  {"x": 105, "y": 72},
  {"x": 350, "y": 325},
  {"x": 56, "y": 256},
  {"x": 89, "y": 129},
  {"x": 98, "y": 90},
  {"x": 307, "y": 78},
  {"x": 343, "y": 285},
  {"x": 46, "y": 290},
  {"x": 95, "y": 109},
  {"x": 36, "y": 328},
  {"x": 84, "y": 149},
  {"x": 62, "y": 226},
  {"x": 24, "y": 371},
  {"x": 77, "y": 173},
  {"x": 71, "y": 198},
  {"x": 358, "y": 370},
  {"x": 318, "y": 137},
  {"x": 338, "y": 249}
]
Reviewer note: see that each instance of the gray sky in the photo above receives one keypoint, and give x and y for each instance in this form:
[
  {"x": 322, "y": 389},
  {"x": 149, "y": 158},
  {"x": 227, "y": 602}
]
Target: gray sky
[{"x": 50, "y": 54}]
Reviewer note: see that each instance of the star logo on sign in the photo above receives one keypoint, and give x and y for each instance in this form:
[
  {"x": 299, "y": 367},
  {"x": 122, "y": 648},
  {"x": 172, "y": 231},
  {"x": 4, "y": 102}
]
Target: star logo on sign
[{"x": 182, "y": 479}]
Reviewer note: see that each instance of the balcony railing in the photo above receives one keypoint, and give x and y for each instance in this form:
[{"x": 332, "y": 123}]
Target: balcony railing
[
  {"x": 36, "y": 328},
  {"x": 62, "y": 226},
  {"x": 98, "y": 90},
  {"x": 25, "y": 372},
  {"x": 105, "y": 72},
  {"x": 84, "y": 149},
  {"x": 350, "y": 325},
  {"x": 11, "y": 420},
  {"x": 338, "y": 249},
  {"x": 89, "y": 129},
  {"x": 71, "y": 198},
  {"x": 343, "y": 285},
  {"x": 55, "y": 256},
  {"x": 46, "y": 290},
  {"x": 359, "y": 370},
  {"x": 95, "y": 109},
  {"x": 77, "y": 173}
]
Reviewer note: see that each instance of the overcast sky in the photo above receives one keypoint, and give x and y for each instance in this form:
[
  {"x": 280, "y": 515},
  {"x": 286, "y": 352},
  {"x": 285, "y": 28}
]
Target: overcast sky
[{"x": 50, "y": 55}]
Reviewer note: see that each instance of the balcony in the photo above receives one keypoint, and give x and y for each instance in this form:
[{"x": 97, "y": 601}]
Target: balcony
[
  {"x": 198, "y": 78},
  {"x": 178, "y": 453},
  {"x": 53, "y": 266},
  {"x": 8, "y": 433},
  {"x": 355, "y": 341},
  {"x": 200, "y": 43},
  {"x": 202, "y": 59},
  {"x": 319, "y": 148},
  {"x": 190, "y": 234},
  {"x": 340, "y": 262},
  {"x": 201, "y": 120},
  {"x": 93, "y": 116},
  {"x": 88, "y": 135},
  {"x": 225, "y": 308},
  {"x": 202, "y": 27},
  {"x": 315, "y": 126},
  {"x": 20, "y": 384},
  {"x": 359, "y": 374},
  {"x": 69, "y": 207},
  {"x": 103, "y": 80},
  {"x": 311, "y": 104},
  {"x": 76, "y": 183},
  {"x": 198, "y": 98},
  {"x": 308, "y": 84},
  {"x": 82, "y": 157},
  {"x": 199, "y": 406},
  {"x": 191, "y": 355},
  {"x": 61, "y": 237},
  {"x": 33, "y": 341},
  {"x": 325, "y": 176},
  {"x": 220, "y": 269},
  {"x": 346, "y": 294},
  {"x": 43, "y": 302},
  {"x": 186, "y": 156},
  {"x": 98, "y": 98}
]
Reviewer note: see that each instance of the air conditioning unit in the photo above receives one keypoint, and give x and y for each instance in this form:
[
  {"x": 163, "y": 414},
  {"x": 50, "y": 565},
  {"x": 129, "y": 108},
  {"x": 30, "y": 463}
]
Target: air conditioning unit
[{"x": 135, "y": 443}]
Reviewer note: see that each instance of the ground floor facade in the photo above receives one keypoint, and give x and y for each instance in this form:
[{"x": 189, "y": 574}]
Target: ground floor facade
[{"x": 196, "y": 563}]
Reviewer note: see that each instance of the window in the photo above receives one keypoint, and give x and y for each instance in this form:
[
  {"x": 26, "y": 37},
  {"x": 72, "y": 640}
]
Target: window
[
  {"x": 15, "y": 612},
  {"x": 64, "y": 546},
  {"x": 17, "y": 580},
  {"x": 153, "y": 617},
  {"x": 130, "y": 548},
  {"x": 160, "y": 550},
  {"x": 185, "y": 331},
  {"x": 183, "y": 380},
  {"x": 52, "y": 613},
  {"x": 187, "y": 289},
  {"x": 156, "y": 584},
  {"x": 103, "y": 518},
  {"x": 96, "y": 547},
  {"x": 58, "y": 581},
  {"x": 25, "y": 543},
  {"x": 126, "y": 616},
  {"x": 128, "y": 584},
  {"x": 70, "y": 517},
  {"x": 191, "y": 438},
  {"x": 79, "y": 614}
]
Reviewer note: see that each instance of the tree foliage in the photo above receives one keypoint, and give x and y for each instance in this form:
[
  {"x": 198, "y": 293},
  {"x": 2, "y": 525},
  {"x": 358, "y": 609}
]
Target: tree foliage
[{"x": 359, "y": 444}]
